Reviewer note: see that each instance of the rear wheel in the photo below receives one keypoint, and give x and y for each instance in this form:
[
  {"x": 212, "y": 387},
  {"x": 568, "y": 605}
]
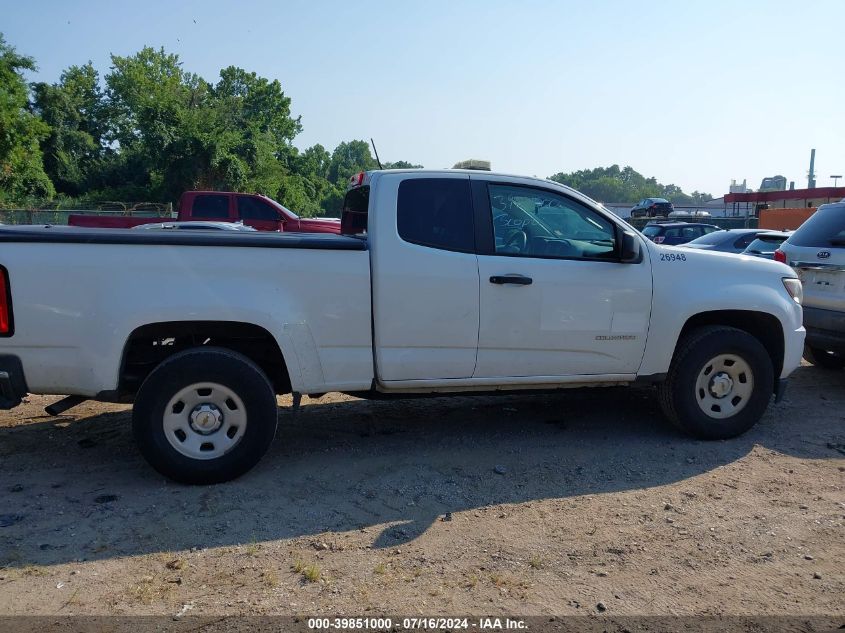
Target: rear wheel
[
  {"x": 719, "y": 384},
  {"x": 205, "y": 415},
  {"x": 823, "y": 358}
]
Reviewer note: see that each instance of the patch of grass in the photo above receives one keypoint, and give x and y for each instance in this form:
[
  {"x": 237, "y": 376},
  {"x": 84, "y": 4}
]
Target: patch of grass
[
  {"x": 311, "y": 573},
  {"x": 149, "y": 591},
  {"x": 498, "y": 579},
  {"x": 252, "y": 548},
  {"x": 270, "y": 578},
  {"x": 380, "y": 569},
  {"x": 535, "y": 562},
  {"x": 471, "y": 582}
]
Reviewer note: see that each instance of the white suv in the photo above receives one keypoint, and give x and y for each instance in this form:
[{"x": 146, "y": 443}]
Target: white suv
[{"x": 817, "y": 253}]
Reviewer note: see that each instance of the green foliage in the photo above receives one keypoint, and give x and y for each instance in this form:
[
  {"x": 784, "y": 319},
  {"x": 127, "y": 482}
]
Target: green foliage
[
  {"x": 612, "y": 184},
  {"x": 75, "y": 150},
  {"x": 21, "y": 166}
]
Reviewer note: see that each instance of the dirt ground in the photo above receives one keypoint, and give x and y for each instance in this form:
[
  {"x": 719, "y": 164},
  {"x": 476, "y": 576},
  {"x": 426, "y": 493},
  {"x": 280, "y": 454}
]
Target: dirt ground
[{"x": 525, "y": 504}]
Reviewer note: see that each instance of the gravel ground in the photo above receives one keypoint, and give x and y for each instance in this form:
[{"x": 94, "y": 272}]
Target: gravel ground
[{"x": 540, "y": 504}]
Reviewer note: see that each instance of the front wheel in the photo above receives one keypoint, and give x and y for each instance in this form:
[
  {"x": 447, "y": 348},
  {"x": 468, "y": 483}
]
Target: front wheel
[
  {"x": 205, "y": 415},
  {"x": 719, "y": 383},
  {"x": 823, "y": 358}
]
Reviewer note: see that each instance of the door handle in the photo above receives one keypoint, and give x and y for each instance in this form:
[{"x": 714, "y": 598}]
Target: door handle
[{"x": 519, "y": 280}]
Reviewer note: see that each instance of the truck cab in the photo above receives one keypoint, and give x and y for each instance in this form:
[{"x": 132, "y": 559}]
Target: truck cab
[{"x": 255, "y": 210}]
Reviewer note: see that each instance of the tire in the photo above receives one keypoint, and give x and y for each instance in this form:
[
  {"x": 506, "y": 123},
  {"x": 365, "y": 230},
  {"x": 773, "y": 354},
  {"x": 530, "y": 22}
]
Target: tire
[
  {"x": 823, "y": 358},
  {"x": 730, "y": 397},
  {"x": 205, "y": 416}
]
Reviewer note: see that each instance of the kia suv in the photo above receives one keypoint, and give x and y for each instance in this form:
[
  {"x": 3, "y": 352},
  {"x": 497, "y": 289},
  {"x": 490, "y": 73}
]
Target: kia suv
[{"x": 817, "y": 253}]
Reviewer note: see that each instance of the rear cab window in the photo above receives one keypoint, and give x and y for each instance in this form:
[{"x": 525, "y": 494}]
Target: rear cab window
[
  {"x": 356, "y": 204},
  {"x": 436, "y": 212},
  {"x": 651, "y": 231},
  {"x": 210, "y": 206}
]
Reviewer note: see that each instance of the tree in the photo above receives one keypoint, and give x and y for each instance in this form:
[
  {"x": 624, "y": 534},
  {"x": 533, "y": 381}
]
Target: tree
[
  {"x": 401, "y": 164},
  {"x": 21, "y": 167},
  {"x": 612, "y": 184},
  {"x": 75, "y": 148},
  {"x": 235, "y": 134}
]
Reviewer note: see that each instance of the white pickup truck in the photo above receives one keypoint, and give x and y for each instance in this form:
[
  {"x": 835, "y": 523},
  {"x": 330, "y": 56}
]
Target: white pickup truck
[{"x": 444, "y": 281}]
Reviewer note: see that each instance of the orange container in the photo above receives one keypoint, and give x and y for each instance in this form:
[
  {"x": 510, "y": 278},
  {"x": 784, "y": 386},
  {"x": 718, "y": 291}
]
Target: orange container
[{"x": 784, "y": 219}]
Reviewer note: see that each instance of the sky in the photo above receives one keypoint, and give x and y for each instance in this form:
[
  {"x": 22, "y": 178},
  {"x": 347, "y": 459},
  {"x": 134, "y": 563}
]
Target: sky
[{"x": 692, "y": 92}]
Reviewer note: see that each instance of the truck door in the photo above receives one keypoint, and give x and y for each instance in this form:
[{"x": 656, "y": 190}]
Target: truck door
[
  {"x": 555, "y": 299},
  {"x": 424, "y": 277},
  {"x": 257, "y": 213}
]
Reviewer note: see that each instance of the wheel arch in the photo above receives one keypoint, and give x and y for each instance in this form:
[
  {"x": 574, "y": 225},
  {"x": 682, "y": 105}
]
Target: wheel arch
[
  {"x": 150, "y": 344},
  {"x": 765, "y": 327}
]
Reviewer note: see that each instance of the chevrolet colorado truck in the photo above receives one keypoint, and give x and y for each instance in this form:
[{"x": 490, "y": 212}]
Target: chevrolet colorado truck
[
  {"x": 252, "y": 209},
  {"x": 442, "y": 282}
]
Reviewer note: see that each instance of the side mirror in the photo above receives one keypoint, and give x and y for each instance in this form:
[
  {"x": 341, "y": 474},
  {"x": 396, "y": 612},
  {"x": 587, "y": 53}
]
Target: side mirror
[{"x": 631, "y": 248}]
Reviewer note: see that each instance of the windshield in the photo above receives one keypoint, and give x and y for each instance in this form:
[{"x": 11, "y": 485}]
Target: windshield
[{"x": 285, "y": 211}]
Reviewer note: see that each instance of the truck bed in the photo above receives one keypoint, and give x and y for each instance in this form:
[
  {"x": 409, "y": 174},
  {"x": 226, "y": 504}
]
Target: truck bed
[{"x": 78, "y": 295}]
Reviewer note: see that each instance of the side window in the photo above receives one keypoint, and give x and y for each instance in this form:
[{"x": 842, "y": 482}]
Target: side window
[
  {"x": 254, "y": 209},
  {"x": 539, "y": 223},
  {"x": 210, "y": 206},
  {"x": 436, "y": 212}
]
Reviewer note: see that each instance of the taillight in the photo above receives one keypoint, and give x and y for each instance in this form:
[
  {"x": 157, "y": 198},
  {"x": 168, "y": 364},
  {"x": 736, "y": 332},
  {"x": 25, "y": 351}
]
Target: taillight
[
  {"x": 780, "y": 256},
  {"x": 658, "y": 239},
  {"x": 6, "y": 326},
  {"x": 356, "y": 180}
]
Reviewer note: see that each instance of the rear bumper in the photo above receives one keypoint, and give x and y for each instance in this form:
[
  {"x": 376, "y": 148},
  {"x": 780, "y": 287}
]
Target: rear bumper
[
  {"x": 825, "y": 329},
  {"x": 12, "y": 382}
]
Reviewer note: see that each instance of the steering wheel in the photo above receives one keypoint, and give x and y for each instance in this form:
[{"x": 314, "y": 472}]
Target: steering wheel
[{"x": 518, "y": 240}]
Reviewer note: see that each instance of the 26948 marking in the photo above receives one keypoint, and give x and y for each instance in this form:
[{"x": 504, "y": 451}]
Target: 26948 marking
[{"x": 673, "y": 257}]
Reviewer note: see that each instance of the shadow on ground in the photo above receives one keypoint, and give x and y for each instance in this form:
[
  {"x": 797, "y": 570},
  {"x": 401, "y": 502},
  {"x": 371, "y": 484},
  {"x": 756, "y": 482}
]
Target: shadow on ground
[{"x": 77, "y": 489}]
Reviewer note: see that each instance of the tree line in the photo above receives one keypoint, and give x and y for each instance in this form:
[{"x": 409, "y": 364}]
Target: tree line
[{"x": 148, "y": 130}]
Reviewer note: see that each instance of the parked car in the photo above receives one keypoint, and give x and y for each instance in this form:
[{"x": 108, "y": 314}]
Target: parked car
[
  {"x": 652, "y": 208},
  {"x": 444, "y": 281},
  {"x": 730, "y": 241},
  {"x": 196, "y": 226},
  {"x": 816, "y": 250},
  {"x": 674, "y": 233},
  {"x": 766, "y": 244},
  {"x": 257, "y": 211}
]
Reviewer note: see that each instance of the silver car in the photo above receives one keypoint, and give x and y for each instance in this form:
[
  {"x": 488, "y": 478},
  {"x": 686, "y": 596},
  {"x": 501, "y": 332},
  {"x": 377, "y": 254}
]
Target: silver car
[
  {"x": 195, "y": 226},
  {"x": 817, "y": 253}
]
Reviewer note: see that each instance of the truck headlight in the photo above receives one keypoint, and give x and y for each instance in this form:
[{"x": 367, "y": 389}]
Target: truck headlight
[{"x": 794, "y": 288}]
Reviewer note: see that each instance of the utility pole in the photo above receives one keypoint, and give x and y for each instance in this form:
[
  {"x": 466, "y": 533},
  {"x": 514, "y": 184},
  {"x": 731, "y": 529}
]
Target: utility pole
[{"x": 811, "y": 176}]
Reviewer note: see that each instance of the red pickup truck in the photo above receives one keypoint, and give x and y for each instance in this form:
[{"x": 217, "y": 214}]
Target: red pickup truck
[{"x": 253, "y": 210}]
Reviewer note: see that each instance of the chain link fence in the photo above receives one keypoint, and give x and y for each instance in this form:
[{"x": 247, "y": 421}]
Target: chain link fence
[{"x": 60, "y": 216}]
